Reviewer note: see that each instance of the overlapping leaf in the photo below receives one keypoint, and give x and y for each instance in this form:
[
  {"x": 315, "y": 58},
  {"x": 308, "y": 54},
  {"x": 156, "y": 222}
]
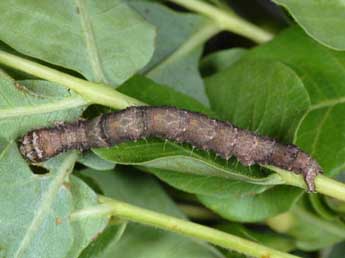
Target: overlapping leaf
[
  {"x": 263, "y": 96},
  {"x": 336, "y": 251},
  {"x": 38, "y": 206},
  {"x": 320, "y": 131},
  {"x": 322, "y": 72},
  {"x": 43, "y": 103},
  {"x": 323, "y": 20},
  {"x": 106, "y": 41},
  {"x": 178, "y": 49},
  {"x": 220, "y": 60},
  {"x": 310, "y": 231},
  {"x": 35, "y": 207}
]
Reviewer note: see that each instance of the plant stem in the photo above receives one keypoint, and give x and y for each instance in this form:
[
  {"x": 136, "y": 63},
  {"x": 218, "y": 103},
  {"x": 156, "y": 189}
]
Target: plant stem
[
  {"x": 104, "y": 95},
  {"x": 92, "y": 92},
  {"x": 197, "y": 39},
  {"x": 227, "y": 20},
  {"x": 111, "y": 207},
  {"x": 323, "y": 184}
]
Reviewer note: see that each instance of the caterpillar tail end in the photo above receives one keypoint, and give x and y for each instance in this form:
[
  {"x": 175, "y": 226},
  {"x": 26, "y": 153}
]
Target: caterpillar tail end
[{"x": 310, "y": 174}]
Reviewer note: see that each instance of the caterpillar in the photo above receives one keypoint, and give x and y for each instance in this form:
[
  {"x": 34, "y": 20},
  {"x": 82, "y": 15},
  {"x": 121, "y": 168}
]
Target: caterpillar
[{"x": 170, "y": 123}]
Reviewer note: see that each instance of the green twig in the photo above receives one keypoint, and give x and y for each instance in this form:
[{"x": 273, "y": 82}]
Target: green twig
[
  {"x": 92, "y": 92},
  {"x": 111, "y": 207},
  {"x": 323, "y": 184},
  {"x": 227, "y": 20}
]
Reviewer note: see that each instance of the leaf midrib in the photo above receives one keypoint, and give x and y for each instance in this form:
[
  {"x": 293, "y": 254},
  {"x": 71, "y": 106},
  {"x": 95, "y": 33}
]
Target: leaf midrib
[
  {"x": 47, "y": 201},
  {"x": 90, "y": 42}
]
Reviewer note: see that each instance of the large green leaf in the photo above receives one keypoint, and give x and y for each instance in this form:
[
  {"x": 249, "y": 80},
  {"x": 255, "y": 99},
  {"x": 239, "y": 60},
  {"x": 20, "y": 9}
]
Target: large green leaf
[
  {"x": 156, "y": 94},
  {"x": 138, "y": 240},
  {"x": 176, "y": 58},
  {"x": 84, "y": 230},
  {"x": 35, "y": 209},
  {"x": 233, "y": 199},
  {"x": 321, "y": 69},
  {"x": 323, "y": 73},
  {"x": 105, "y": 41},
  {"x": 25, "y": 105},
  {"x": 267, "y": 97},
  {"x": 323, "y": 20},
  {"x": 263, "y": 96},
  {"x": 35, "y": 105},
  {"x": 321, "y": 133}
]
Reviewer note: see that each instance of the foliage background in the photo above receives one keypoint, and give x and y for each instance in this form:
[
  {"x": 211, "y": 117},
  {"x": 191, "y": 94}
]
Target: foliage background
[{"x": 274, "y": 68}]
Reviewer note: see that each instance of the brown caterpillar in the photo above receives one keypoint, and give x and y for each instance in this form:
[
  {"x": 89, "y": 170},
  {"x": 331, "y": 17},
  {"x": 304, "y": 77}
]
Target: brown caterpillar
[{"x": 174, "y": 124}]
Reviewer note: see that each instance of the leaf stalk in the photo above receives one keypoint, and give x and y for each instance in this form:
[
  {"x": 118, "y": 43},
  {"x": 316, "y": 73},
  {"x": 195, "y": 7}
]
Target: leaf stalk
[
  {"x": 227, "y": 20},
  {"x": 92, "y": 92},
  {"x": 122, "y": 210}
]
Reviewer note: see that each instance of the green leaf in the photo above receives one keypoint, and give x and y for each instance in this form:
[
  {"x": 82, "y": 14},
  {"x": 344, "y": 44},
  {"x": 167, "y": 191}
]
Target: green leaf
[
  {"x": 233, "y": 199},
  {"x": 320, "y": 69},
  {"x": 155, "y": 154},
  {"x": 36, "y": 207},
  {"x": 264, "y": 96},
  {"x": 269, "y": 98},
  {"x": 220, "y": 60},
  {"x": 138, "y": 240},
  {"x": 336, "y": 251},
  {"x": 320, "y": 132},
  {"x": 105, "y": 41},
  {"x": 155, "y": 94},
  {"x": 310, "y": 231},
  {"x": 128, "y": 185},
  {"x": 84, "y": 231},
  {"x": 22, "y": 108},
  {"x": 176, "y": 58},
  {"x": 252, "y": 206},
  {"x": 323, "y": 20},
  {"x": 89, "y": 159}
]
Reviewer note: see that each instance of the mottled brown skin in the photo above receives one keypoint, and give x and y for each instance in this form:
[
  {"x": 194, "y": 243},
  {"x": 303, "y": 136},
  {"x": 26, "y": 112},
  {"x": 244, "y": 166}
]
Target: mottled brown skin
[{"x": 174, "y": 124}]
